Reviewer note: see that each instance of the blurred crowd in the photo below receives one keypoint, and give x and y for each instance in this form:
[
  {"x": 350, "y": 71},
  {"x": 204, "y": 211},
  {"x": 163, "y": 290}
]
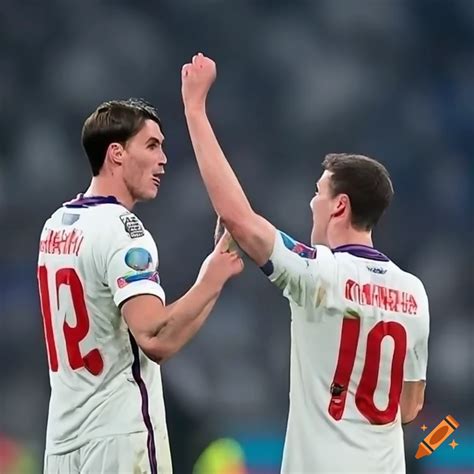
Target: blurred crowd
[{"x": 388, "y": 78}]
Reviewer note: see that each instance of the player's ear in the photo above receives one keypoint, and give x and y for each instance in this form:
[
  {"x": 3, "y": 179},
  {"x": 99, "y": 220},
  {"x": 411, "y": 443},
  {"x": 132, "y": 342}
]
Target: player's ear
[
  {"x": 115, "y": 153},
  {"x": 342, "y": 205}
]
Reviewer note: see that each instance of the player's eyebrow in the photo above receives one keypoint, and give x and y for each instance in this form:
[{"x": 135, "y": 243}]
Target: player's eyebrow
[{"x": 156, "y": 140}]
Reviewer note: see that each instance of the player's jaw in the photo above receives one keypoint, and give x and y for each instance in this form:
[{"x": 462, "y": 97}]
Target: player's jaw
[
  {"x": 320, "y": 214},
  {"x": 148, "y": 186},
  {"x": 143, "y": 180},
  {"x": 143, "y": 176},
  {"x": 323, "y": 205},
  {"x": 155, "y": 183},
  {"x": 144, "y": 162},
  {"x": 156, "y": 178}
]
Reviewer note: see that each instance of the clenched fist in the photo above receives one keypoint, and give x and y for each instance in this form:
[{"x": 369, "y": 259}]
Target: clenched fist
[{"x": 196, "y": 80}]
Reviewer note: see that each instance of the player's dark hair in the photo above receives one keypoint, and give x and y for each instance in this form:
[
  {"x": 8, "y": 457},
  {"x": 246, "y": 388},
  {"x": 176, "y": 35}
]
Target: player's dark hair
[
  {"x": 114, "y": 121},
  {"x": 366, "y": 182}
]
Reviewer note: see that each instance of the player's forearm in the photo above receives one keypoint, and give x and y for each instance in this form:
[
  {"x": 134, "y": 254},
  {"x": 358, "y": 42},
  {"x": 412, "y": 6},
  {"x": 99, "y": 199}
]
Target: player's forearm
[
  {"x": 411, "y": 400},
  {"x": 184, "y": 317},
  {"x": 223, "y": 187},
  {"x": 410, "y": 412},
  {"x": 190, "y": 330}
]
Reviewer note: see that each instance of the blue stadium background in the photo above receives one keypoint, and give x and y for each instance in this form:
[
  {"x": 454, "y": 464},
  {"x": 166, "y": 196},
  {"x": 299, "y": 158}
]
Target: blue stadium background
[{"x": 389, "y": 78}]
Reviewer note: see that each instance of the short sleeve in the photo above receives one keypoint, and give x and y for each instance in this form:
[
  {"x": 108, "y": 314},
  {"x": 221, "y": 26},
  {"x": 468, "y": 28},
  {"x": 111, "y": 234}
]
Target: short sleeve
[
  {"x": 416, "y": 360},
  {"x": 132, "y": 263},
  {"x": 297, "y": 269}
]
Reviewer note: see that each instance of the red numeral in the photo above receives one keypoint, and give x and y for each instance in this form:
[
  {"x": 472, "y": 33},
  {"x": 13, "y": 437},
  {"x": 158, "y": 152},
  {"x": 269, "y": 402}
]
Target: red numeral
[
  {"x": 47, "y": 323},
  {"x": 73, "y": 335},
  {"x": 368, "y": 381},
  {"x": 364, "y": 397},
  {"x": 345, "y": 363}
]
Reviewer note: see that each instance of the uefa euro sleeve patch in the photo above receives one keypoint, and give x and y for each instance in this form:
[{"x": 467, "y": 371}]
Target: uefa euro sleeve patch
[
  {"x": 141, "y": 262},
  {"x": 131, "y": 277},
  {"x": 297, "y": 247},
  {"x": 133, "y": 226},
  {"x": 139, "y": 259}
]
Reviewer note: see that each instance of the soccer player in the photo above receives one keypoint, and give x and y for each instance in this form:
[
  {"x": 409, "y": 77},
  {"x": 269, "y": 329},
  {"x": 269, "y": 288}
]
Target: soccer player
[
  {"x": 106, "y": 322},
  {"x": 359, "y": 322}
]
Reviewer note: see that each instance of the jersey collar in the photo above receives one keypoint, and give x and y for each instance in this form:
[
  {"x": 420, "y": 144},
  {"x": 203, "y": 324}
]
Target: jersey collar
[
  {"x": 89, "y": 201},
  {"x": 362, "y": 251}
]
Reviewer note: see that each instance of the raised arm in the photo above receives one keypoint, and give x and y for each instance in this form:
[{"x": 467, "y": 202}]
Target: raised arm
[{"x": 254, "y": 234}]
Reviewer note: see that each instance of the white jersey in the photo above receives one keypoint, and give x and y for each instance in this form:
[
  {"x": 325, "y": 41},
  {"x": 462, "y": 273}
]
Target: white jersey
[
  {"x": 359, "y": 329},
  {"x": 94, "y": 255}
]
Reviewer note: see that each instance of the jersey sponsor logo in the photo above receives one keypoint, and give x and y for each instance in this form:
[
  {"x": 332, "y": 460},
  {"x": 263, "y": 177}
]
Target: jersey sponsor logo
[
  {"x": 62, "y": 242},
  {"x": 377, "y": 270},
  {"x": 297, "y": 247},
  {"x": 122, "y": 282},
  {"x": 138, "y": 258},
  {"x": 389, "y": 299},
  {"x": 133, "y": 226}
]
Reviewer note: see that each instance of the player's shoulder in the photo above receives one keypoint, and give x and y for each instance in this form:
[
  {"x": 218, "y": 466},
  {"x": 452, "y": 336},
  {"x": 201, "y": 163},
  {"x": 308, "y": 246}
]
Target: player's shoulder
[
  {"x": 108, "y": 214},
  {"x": 102, "y": 215},
  {"x": 53, "y": 218},
  {"x": 416, "y": 290},
  {"x": 295, "y": 246},
  {"x": 119, "y": 227},
  {"x": 102, "y": 206},
  {"x": 129, "y": 223},
  {"x": 413, "y": 286},
  {"x": 324, "y": 252},
  {"x": 410, "y": 279}
]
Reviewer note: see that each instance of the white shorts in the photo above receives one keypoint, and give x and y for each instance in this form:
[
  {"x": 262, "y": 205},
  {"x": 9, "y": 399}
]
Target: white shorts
[{"x": 121, "y": 454}]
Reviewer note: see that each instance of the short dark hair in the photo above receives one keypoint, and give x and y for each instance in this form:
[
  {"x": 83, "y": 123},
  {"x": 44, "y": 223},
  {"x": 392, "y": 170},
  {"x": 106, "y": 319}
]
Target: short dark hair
[
  {"x": 366, "y": 182},
  {"x": 114, "y": 121}
]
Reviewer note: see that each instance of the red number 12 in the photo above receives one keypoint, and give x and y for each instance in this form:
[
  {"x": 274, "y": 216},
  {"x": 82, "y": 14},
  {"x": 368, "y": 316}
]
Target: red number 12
[{"x": 73, "y": 335}]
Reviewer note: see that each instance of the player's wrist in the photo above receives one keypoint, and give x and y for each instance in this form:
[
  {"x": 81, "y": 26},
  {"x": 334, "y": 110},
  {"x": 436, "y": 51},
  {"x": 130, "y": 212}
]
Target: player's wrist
[
  {"x": 194, "y": 109},
  {"x": 209, "y": 286}
]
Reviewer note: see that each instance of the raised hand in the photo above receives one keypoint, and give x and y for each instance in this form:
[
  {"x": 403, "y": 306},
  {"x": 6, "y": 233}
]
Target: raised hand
[
  {"x": 219, "y": 231},
  {"x": 196, "y": 80},
  {"x": 221, "y": 265}
]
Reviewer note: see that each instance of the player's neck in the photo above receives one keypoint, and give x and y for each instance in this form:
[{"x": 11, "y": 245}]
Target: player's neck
[
  {"x": 351, "y": 237},
  {"x": 107, "y": 186}
]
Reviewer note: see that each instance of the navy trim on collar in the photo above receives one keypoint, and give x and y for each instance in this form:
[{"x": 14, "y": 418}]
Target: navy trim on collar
[
  {"x": 362, "y": 251},
  {"x": 89, "y": 201}
]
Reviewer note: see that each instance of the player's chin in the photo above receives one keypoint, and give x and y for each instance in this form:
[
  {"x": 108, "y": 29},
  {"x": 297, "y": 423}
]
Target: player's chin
[
  {"x": 155, "y": 187},
  {"x": 149, "y": 194}
]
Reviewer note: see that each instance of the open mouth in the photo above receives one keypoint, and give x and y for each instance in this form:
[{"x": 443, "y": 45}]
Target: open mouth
[{"x": 157, "y": 181}]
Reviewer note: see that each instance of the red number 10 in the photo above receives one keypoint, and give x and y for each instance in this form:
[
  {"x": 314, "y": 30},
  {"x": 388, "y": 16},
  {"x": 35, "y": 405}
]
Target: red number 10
[
  {"x": 73, "y": 335},
  {"x": 364, "y": 396}
]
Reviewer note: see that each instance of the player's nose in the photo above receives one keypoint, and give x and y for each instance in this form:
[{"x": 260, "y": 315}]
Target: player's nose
[{"x": 163, "y": 159}]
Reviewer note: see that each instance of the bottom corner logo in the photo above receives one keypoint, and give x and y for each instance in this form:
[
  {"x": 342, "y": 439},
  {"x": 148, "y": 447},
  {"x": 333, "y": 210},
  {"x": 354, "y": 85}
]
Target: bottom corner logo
[{"x": 437, "y": 436}]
